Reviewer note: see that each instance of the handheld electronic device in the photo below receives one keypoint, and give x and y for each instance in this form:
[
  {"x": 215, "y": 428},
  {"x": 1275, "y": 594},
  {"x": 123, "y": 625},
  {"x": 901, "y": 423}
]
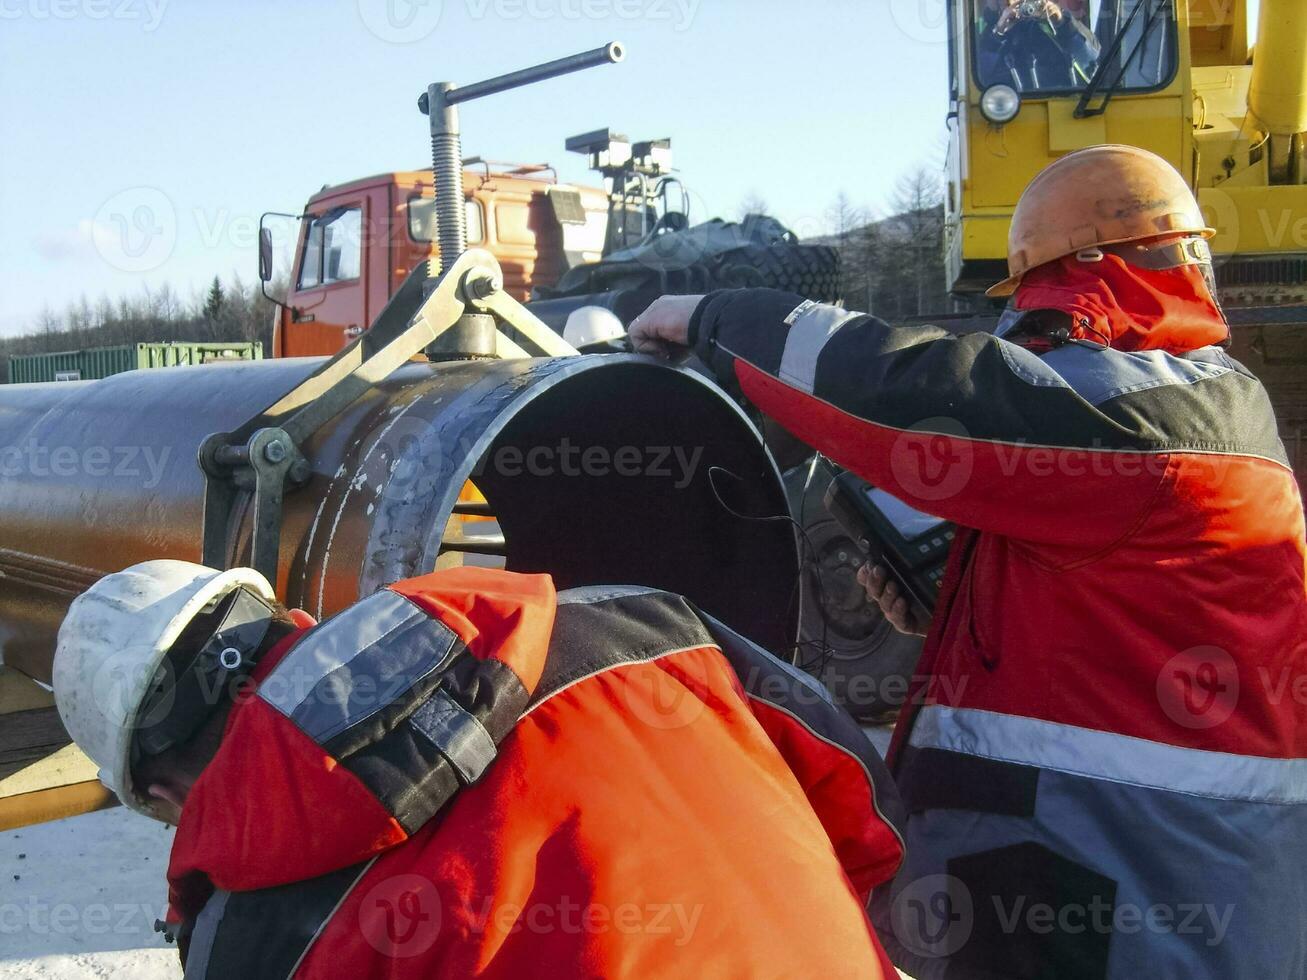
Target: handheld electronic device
[{"x": 913, "y": 546}]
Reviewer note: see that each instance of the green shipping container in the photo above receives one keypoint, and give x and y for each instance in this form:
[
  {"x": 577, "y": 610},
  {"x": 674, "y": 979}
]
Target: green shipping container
[{"x": 100, "y": 362}]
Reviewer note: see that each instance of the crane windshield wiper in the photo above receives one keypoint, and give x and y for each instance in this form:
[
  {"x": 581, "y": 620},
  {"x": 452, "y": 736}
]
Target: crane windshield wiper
[{"x": 1098, "y": 87}]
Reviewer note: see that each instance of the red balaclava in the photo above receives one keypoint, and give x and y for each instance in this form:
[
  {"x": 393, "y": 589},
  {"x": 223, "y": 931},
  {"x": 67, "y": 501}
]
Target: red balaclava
[{"x": 1126, "y": 307}]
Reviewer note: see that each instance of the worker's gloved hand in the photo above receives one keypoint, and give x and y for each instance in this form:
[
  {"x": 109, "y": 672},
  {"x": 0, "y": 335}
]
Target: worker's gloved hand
[
  {"x": 664, "y": 328},
  {"x": 884, "y": 591}
]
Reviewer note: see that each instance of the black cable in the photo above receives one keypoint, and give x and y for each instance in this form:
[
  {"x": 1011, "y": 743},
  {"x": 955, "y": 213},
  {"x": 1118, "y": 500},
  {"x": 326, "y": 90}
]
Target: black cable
[
  {"x": 824, "y": 648},
  {"x": 824, "y": 651}
]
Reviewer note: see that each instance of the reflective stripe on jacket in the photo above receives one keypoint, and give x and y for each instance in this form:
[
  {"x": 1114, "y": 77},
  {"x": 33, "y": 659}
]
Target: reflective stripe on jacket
[
  {"x": 1107, "y": 778},
  {"x": 632, "y": 790}
]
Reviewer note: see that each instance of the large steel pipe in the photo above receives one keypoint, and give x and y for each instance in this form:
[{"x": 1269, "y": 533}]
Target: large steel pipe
[{"x": 599, "y": 470}]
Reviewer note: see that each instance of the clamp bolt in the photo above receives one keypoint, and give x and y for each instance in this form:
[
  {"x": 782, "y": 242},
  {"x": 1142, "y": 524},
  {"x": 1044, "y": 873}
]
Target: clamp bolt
[
  {"x": 481, "y": 286},
  {"x": 274, "y": 452}
]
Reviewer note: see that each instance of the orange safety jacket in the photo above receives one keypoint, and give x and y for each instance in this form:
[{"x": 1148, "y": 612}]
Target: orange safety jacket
[{"x": 466, "y": 775}]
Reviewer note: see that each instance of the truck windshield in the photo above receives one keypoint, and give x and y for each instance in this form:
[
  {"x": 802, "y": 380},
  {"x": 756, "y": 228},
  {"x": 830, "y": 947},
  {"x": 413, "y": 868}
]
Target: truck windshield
[{"x": 1056, "y": 47}]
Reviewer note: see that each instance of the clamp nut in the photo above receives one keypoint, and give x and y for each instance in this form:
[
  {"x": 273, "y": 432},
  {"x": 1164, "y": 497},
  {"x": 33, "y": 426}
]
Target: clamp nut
[{"x": 483, "y": 285}]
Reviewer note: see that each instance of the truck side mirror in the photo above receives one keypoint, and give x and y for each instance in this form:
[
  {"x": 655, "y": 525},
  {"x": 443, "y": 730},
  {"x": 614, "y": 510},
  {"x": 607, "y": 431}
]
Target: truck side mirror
[{"x": 265, "y": 254}]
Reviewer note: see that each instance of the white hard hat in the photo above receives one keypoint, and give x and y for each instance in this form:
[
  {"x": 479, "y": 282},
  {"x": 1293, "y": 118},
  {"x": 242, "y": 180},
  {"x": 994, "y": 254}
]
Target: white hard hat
[
  {"x": 111, "y": 645},
  {"x": 588, "y": 325}
]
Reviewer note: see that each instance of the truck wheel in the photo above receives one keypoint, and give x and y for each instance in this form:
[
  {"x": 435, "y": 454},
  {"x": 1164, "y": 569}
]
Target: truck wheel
[
  {"x": 844, "y": 641},
  {"x": 812, "y": 271}
]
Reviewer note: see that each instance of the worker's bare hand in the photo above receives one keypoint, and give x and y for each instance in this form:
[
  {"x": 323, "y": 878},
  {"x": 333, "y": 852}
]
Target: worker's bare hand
[
  {"x": 885, "y": 592},
  {"x": 664, "y": 328}
]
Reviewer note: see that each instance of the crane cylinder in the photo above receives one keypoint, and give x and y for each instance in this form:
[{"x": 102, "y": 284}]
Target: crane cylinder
[{"x": 1277, "y": 96}]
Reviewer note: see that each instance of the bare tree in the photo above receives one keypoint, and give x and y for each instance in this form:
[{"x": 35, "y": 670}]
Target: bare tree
[
  {"x": 918, "y": 226},
  {"x": 893, "y": 267},
  {"x": 47, "y": 322},
  {"x": 751, "y": 203},
  {"x": 844, "y": 217},
  {"x": 846, "y": 222}
]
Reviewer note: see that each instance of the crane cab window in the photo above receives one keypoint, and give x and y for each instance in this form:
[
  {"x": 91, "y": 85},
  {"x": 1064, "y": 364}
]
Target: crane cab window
[
  {"x": 1066, "y": 46},
  {"x": 333, "y": 247},
  {"x": 422, "y": 220}
]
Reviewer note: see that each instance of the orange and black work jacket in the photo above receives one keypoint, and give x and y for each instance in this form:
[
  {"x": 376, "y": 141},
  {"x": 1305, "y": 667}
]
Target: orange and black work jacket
[
  {"x": 1104, "y": 757},
  {"x": 466, "y": 775}
]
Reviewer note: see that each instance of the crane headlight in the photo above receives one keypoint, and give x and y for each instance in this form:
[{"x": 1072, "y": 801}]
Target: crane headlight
[{"x": 1000, "y": 104}]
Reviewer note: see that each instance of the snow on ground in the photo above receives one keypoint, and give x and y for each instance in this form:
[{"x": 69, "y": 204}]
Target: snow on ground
[{"x": 79, "y": 897}]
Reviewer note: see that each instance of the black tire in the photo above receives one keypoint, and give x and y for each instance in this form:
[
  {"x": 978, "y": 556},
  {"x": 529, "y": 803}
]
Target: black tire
[
  {"x": 844, "y": 641},
  {"x": 812, "y": 271}
]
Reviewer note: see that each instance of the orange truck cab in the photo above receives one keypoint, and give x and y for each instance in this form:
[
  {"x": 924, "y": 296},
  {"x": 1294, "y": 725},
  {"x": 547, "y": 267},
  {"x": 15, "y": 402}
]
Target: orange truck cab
[{"x": 357, "y": 241}]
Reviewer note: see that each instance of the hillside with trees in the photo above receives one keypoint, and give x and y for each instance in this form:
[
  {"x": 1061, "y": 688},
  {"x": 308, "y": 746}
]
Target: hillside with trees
[
  {"x": 227, "y": 311},
  {"x": 893, "y": 267}
]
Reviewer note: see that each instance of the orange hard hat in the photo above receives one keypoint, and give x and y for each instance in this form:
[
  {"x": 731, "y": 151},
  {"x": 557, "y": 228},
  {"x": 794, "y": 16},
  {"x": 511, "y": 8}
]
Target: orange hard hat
[{"x": 1103, "y": 195}]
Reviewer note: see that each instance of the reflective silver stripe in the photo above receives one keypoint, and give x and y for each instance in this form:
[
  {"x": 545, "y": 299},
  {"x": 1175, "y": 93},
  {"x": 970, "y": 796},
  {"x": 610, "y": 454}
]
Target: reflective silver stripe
[
  {"x": 333, "y": 644},
  {"x": 798, "y": 311},
  {"x": 586, "y": 594},
  {"x": 457, "y": 733},
  {"x": 808, "y": 335},
  {"x": 646, "y": 658},
  {"x": 203, "y": 936},
  {"x": 1099, "y": 374},
  {"x": 1105, "y": 755}
]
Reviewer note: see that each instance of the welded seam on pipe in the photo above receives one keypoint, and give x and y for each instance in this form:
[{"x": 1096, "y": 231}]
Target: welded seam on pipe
[{"x": 326, "y": 554}]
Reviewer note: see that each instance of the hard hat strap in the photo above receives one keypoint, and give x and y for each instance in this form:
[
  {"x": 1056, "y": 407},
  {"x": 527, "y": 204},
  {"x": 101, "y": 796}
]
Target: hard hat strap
[{"x": 194, "y": 678}]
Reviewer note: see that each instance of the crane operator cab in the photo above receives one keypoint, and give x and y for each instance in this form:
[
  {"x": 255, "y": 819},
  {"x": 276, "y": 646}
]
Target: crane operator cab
[
  {"x": 1063, "y": 45},
  {"x": 1032, "y": 80}
]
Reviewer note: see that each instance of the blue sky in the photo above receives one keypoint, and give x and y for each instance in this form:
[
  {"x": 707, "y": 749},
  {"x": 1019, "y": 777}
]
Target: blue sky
[{"x": 189, "y": 118}]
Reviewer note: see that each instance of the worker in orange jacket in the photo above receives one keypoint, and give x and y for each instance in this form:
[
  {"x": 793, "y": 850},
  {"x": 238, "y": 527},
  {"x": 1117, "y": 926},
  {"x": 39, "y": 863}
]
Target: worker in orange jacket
[{"x": 466, "y": 774}]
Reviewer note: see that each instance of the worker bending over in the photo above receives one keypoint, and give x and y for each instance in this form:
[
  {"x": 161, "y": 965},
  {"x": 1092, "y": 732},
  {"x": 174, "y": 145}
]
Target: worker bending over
[
  {"x": 466, "y": 774},
  {"x": 1104, "y": 763}
]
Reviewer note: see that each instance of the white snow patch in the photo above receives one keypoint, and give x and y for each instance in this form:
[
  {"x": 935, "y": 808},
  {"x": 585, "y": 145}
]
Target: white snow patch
[
  {"x": 82, "y": 899},
  {"x": 132, "y": 964}
]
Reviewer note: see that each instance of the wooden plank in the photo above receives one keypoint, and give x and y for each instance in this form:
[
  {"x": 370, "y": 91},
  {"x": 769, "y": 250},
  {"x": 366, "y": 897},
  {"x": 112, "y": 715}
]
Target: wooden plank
[
  {"x": 27, "y": 737},
  {"x": 43, "y": 776},
  {"x": 54, "y": 804},
  {"x": 63, "y": 767},
  {"x": 20, "y": 693}
]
